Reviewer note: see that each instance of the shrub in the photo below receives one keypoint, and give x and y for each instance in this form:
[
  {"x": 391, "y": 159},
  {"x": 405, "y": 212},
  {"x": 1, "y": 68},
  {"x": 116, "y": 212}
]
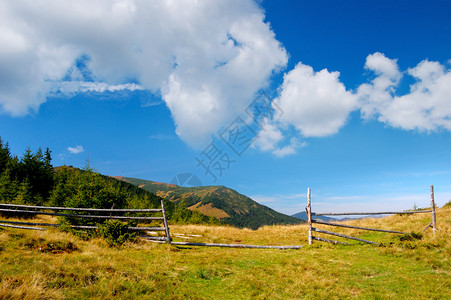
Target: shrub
[
  {"x": 406, "y": 240},
  {"x": 115, "y": 232},
  {"x": 85, "y": 235},
  {"x": 410, "y": 236}
]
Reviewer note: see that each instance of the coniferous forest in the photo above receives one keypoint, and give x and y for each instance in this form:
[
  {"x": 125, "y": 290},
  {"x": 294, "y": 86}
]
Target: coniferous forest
[{"x": 31, "y": 179}]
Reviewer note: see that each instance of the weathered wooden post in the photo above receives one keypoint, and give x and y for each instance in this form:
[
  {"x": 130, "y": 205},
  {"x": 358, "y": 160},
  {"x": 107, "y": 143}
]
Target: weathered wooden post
[
  {"x": 309, "y": 216},
  {"x": 165, "y": 221},
  {"x": 434, "y": 228}
]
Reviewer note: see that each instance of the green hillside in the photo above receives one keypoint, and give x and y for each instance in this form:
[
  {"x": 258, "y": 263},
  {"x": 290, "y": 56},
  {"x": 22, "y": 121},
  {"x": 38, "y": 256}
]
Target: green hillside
[{"x": 220, "y": 202}]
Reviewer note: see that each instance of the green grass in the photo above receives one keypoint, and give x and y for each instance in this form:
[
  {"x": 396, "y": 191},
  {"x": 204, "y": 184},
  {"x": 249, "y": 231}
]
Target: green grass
[{"x": 76, "y": 269}]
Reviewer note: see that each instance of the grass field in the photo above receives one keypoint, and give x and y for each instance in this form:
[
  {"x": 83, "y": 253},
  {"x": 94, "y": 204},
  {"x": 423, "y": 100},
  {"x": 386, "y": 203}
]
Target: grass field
[{"x": 55, "y": 265}]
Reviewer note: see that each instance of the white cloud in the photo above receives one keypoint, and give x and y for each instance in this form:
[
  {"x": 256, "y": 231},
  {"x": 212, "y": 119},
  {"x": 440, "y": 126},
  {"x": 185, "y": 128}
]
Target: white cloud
[
  {"x": 427, "y": 106},
  {"x": 316, "y": 103},
  {"x": 271, "y": 137},
  {"x": 268, "y": 137},
  {"x": 76, "y": 150},
  {"x": 382, "y": 65},
  {"x": 377, "y": 95},
  {"x": 206, "y": 58},
  {"x": 290, "y": 149},
  {"x": 208, "y": 89},
  {"x": 70, "y": 87}
]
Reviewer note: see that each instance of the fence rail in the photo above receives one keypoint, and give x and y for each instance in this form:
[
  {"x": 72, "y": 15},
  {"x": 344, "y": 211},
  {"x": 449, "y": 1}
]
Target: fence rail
[
  {"x": 342, "y": 235},
  {"x": 29, "y": 225},
  {"x": 311, "y": 228},
  {"x": 2, "y": 223},
  {"x": 328, "y": 241},
  {"x": 355, "y": 227},
  {"x": 80, "y": 216},
  {"x": 373, "y": 213},
  {"x": 227, "y": 245},
  {"x": 157, "y": 239},
  {"x": 82, "y": 209}
]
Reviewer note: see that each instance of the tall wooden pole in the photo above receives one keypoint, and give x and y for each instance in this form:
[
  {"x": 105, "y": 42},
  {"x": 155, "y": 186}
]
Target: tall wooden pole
[
  {"x": 165, "y": 222},
  {"x": 309, "y": 216},
  {"x": 434, "y": 228}
]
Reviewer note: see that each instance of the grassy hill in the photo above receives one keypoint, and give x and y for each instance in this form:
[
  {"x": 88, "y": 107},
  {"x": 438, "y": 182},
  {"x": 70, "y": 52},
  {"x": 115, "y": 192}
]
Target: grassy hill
[
  {"x": 80, "y": 188},
  {"x": 54, "y": 265},
  {"x": 220, "y": 202}
]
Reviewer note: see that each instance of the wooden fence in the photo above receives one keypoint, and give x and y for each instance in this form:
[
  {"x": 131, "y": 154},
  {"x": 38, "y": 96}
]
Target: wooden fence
[
  {"x": 44, "y": 210},
  {"x": 313, "y": 229},
  {"x": 113, "y": 214}
]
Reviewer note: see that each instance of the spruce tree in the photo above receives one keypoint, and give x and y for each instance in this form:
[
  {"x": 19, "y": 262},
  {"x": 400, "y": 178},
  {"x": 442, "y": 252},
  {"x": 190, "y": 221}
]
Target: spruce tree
[{"x": 5, "y": 156}]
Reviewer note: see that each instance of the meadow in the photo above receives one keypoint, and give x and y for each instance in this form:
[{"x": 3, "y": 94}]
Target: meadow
[{"x": 56, "y": 265}]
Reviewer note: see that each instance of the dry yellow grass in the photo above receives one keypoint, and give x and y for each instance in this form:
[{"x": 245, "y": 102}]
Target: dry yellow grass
[
  {"x": 27, "y": 287},
  {"x": 414, "y": 269}
]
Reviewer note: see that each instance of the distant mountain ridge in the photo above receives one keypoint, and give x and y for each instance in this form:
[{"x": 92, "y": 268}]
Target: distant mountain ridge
[
  {"x": 303, "y": 216},
  {"x": 217, "y": 201}
]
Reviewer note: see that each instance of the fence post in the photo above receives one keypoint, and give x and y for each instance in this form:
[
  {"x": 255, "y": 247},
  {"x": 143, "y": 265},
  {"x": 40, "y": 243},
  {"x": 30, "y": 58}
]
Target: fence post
[
  {"x": 165, "y": 221},
  {"x": 309, "y": 216},
  {"x": 434, "y": 228}
]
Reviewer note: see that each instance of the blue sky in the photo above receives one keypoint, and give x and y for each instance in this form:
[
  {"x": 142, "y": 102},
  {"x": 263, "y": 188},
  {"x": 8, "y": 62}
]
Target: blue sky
[{"x": 360, "y": 93}]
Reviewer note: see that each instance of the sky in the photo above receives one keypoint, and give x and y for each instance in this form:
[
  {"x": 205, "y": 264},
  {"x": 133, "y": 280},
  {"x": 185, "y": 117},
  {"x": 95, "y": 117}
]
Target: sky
[{"x": 349, "y": 98}]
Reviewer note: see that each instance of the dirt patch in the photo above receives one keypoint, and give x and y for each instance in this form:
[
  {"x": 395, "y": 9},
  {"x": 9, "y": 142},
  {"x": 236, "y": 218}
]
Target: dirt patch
[
  {"x": 209, "y": 210},
  {"x": 57, "y": 247}
]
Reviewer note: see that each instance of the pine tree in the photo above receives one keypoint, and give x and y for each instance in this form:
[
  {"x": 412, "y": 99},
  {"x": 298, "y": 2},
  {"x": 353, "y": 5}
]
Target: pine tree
[
  {"x": 25, "y": 195},
  {"x": 8, "y": 187},
  {"x": 38, "y": 171},
  {"x": 5, "y": 156}
]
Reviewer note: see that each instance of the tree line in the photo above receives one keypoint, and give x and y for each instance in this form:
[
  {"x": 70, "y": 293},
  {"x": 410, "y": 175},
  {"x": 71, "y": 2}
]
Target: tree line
[{"x": 25, "y": 180}]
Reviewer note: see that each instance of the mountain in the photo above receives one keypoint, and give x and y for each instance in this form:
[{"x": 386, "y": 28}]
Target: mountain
[
  {"x": 101, "y": 191},
  {"x": 303, "y": 216},
  {"x": 220, "y": 202}
]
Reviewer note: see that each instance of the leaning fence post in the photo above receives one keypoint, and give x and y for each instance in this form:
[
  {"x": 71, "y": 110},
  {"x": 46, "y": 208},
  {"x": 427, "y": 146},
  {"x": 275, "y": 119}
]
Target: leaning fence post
[
  {"x": 309, "y": 216},
  {"x": 165, "y": 221},
  {"x": 433, "y": 209}
]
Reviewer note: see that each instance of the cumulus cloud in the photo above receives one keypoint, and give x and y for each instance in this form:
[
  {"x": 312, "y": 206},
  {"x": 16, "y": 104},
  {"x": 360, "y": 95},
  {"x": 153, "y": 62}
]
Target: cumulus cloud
[
  {"x": 293, "y": 146},
  {"x": 316, "y": 103},
  {"x": 378, "y": 94},
  {"x": 76, "y": 150},
  {"x": 208, "y": 89},
  {"x": 206, "y": 58},
  {"x": 268, "y": 137},
  {"x": 427, "y": 105},
  {"x": 271, "y": 138}
]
